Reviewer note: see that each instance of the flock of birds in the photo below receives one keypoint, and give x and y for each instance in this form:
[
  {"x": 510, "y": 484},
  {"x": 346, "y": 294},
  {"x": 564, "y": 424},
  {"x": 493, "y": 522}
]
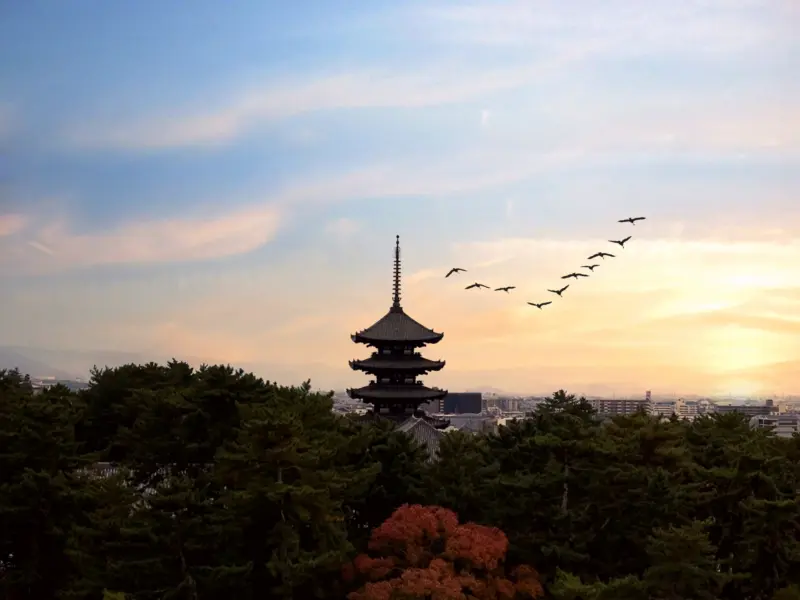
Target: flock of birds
[{"x": 575, "y": 275}]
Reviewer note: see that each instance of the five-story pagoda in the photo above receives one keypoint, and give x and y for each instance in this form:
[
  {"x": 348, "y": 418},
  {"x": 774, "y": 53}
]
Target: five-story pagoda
[{"x": 395, "y": 363}]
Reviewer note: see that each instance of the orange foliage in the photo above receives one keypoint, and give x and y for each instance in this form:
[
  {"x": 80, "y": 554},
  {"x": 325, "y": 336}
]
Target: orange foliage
[{"x": 425, "y": 553}]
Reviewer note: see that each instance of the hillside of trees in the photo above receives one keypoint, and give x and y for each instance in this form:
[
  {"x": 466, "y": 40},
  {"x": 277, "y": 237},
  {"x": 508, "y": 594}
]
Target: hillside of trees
[{"x": 228, "y": 486}]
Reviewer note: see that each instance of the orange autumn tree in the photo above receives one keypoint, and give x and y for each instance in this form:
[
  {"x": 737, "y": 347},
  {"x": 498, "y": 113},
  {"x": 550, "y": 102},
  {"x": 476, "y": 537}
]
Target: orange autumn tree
[{"x": 422, "y": 552}]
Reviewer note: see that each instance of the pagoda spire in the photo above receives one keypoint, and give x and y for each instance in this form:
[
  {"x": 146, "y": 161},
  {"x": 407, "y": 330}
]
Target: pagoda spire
[{"x": 396, "y": 286}]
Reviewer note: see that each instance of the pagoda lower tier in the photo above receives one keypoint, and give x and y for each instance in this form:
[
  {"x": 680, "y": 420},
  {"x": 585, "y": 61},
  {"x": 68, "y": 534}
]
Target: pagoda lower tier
[
  {"x": 387, "y": 393},
  {"x": 379, "y": 364}
]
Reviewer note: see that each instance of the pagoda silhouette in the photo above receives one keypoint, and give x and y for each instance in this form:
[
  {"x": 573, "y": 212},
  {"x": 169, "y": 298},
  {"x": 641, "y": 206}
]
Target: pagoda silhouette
[{"x": 396, "y": 393}]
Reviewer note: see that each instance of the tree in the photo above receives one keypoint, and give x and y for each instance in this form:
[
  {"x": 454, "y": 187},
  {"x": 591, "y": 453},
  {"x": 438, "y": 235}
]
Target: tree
[
  {"x": 40, "y": 497},
  {"x": 280, "y": 520},
  {"x": 682, "y": 566},
  {"x": 423, "y": 552},
  {"x": 398, "y": 464},
  {"x": 463, "y": 475},
  {"x": 546, "y": 464}
]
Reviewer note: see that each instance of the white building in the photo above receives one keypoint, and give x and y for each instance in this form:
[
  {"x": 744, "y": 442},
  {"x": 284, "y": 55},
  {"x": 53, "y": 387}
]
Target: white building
[
  {"x": 784, "y": 425},
  {"x": 621, "y": 406}
]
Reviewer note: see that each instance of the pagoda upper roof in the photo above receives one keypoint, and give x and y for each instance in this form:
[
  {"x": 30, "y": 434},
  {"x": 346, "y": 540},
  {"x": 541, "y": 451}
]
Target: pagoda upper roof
[
  {"x": 410, "y": 363},
  {"x": 397, "y": 393},
  {"x": 397, "y": 326}
]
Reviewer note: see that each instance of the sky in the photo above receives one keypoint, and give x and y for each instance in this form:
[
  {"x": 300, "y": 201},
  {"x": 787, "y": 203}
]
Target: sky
[{"x": 225, "y": 184}]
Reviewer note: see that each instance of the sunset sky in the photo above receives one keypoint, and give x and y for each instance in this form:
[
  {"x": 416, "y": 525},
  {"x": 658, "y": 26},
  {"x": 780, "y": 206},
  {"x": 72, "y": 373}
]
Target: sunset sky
[{"x": 224, "y": 183}]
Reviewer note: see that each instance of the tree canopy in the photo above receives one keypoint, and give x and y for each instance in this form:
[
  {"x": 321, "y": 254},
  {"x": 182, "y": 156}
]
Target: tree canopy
[{"x": 164, "y": 481}]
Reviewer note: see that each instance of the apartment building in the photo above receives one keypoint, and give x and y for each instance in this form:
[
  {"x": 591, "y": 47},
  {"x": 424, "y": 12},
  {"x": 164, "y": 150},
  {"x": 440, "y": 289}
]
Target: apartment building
[
  {"x": 784, "y": 425},
  {"x": 621, "y": 406}
]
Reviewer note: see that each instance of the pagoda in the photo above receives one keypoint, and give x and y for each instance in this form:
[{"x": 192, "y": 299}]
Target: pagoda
[{"x": 395, "y": 393}]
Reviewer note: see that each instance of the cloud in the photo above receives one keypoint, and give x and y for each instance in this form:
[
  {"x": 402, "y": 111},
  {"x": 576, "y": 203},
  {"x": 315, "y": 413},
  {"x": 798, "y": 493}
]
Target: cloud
[
  {"x": 496, "y": 163},
  {"x": 7, "y": 115},
  {"x": 171, "y": 240},
  {"x": 343, "y": 228},
  {"x": 616, "y": 26},
  {"x": 667, "y": 314},
  {"x": 416, "y": 88},
  {"x": 11, "y": 224}
]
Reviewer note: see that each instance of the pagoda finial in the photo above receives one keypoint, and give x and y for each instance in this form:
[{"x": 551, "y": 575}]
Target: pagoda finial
[{"x": 396, "y": 298}]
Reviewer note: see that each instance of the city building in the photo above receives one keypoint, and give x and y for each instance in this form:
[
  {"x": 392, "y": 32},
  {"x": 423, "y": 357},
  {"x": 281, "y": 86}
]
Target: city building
[
  {"x": 621, "y": 406},
  {"x": 751, "y": 410},
  {"x": 685, "y": 409},
  {"x": 462, "y": 403},
  {"x": 395, "y": 363},
  {"x": 784, "y": 425},
  {"x": 472, "y": 423}
]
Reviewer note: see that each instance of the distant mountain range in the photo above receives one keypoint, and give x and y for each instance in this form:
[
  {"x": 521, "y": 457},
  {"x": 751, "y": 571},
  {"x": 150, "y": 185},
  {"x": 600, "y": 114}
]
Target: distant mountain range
[
  {"x": 71, "y": 364},
  {"x": 11, "y": 358},
  {"x": 61, "y": 364}
]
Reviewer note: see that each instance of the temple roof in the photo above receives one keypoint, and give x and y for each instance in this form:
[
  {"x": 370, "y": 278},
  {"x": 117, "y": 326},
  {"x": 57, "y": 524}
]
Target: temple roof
[
  {"x": 423, "y": 433},
  {"x": 397, "y": 326},
  {"x": 398, "y": 393},
  {"x": 412, "y": 363}
]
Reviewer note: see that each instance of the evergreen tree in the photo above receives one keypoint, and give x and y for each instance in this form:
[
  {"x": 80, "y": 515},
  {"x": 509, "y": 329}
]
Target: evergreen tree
[
  {"x": 281, "y": 518},
  {"x": 39, "y": 493},
  {"x": 397, "y": 464}
]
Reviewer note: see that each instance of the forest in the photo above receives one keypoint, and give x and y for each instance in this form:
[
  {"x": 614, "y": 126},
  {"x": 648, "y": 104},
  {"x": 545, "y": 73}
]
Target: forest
[{"x": 227, "y": 486}]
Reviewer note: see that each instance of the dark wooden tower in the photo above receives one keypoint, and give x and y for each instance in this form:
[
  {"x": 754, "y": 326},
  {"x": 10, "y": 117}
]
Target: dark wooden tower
[{"x": 395, "y": 362}]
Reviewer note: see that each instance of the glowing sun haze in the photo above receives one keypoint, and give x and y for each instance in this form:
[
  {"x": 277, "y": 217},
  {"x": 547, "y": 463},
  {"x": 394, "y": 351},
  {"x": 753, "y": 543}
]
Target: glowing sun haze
[{"x": 225, "y": 185}]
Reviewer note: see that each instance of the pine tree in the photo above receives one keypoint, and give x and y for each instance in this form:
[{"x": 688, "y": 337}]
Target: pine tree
[
  {"x": 281, "y": 518},
  {"x": 394, "y": 466},
  {"x": 39, "y": 494}
]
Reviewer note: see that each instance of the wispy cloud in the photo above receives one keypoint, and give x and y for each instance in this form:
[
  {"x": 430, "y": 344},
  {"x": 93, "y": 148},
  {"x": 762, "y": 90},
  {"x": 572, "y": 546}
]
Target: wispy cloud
[
  {"x": 617, "y": 26},
  {"x": 343, "y": 228},
  {"x": 143, "y": 242},
  {"x": 7, "y": 115},
  {"x": 11, "y": 224},
  {"x": 245, "y": 109},
  {"x": 496, "y": 164},
  {"x": 665, "y": 312}
]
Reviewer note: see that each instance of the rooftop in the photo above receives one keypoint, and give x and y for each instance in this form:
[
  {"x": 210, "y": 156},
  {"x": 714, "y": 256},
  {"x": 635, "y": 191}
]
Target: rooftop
[
  {"x": 396, "y": 325},
  {"x": 399, "y": 393},
  {"x": 410, "y": 363}
]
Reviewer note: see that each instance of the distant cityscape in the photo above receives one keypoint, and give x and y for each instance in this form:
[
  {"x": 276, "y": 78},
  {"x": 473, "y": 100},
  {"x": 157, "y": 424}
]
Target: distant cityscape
[
  {"x": 486, "y": 411},
  {"x": 482, "y": 412}
]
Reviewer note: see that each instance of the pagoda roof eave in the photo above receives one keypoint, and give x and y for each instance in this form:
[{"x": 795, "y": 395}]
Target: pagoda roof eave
[
  {"x": 397, "y": 393},
  {"x": 375, "y": 341},
  {"x": 412, "y": 364},
  {"x": 396, "y": 327}
]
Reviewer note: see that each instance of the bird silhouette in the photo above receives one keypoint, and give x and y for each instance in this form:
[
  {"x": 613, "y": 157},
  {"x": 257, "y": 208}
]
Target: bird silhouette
[
  {"x": 590, "y": 267},
  {"x": 620, "y": 242},
  {"x": 600, "y": 255},
  {"x": 559, "y": 292},
  {"x": 574, "y": 275},
  {"x": 540, "y": 304},
  {"x": 455, "y": 270},
  {"x": 631, "y": 220},
  {"x": 506, "y": 289},
  {"x": 476, "y": 285}
]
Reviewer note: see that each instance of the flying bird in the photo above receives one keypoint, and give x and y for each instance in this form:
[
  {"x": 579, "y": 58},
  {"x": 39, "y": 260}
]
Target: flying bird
[
  {"x": 476, "y": 285},
  {"x": 506, "y": 289},
  {"x": 620, "y": 242},
  {"x": 574, "y": 275},
  {"x": 631, "y": 220},
  {"x": 540, "y": 304},
  {"x": 590, "y": 267},
  {"x": 455, "y": 270},
  {"x": 559, "y": 292},
  {"x": 600, "y": 255}
]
